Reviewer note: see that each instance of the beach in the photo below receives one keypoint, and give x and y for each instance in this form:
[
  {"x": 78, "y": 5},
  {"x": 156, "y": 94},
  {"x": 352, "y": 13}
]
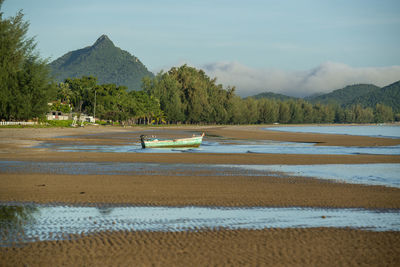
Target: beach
[{"x": 203, "y": 247}]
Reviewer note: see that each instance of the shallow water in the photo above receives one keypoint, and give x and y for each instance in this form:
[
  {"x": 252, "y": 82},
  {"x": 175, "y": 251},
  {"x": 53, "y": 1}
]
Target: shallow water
[
  {"x": 391, "y": 131},
  {"x": 45, "y": 222},
  {"x": 125, "y": 168},
  {"x": 215, "y": 145},
  {"x": 369, "y": 174}
]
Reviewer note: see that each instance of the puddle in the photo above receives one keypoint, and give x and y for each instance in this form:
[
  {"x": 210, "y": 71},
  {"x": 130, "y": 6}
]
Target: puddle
[
  {"x": 27, "y": 223},
  {"x": 369, "y": 174},
  {"x": 389, "y": 131}
]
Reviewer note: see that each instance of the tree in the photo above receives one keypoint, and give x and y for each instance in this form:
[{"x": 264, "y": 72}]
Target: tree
[
  {"x": 64, "y": 93},
  {"x": 25, "y": 86},
  {"x": 383, "y": 113},
  {"x": 284, "y": 112},
  {"x": 188, "y": 94},
  {"x": 250, "y": 111},
  {"x": 296, "y": 111},
  {"x": 308, "y": 112},
  {"x": 81, "y": 90}
]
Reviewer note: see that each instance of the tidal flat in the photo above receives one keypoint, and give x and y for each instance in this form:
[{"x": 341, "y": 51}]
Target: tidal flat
[{"x": 101, "y": 169}]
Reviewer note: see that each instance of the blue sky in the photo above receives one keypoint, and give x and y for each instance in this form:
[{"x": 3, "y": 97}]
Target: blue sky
[{"x": 262, "y": 39}]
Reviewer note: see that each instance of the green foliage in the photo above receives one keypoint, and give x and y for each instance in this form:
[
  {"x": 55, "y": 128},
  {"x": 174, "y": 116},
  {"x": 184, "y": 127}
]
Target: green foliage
[
  {"x": 187, "y": 95},
  {"x": 108, "y": 63},
  {"x": 57, "y": 123},
  {"x": 113, "y": 102},
  {"x": 58, "y": 106},
  {"x": 268, "y": 110},
  {"x": 383, "y": 113},
  {"x": 25, "y": 87}
]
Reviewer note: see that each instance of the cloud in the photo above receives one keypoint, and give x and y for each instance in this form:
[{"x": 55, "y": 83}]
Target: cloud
[{"x": 321, "y": 79}]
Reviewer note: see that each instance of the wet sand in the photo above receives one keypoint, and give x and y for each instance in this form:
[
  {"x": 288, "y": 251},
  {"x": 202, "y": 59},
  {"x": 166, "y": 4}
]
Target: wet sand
[
  {"x": 194, "y": 190},
  {"x": 270, "y": 247},
  {"x": 317, "y": 247},
  {"x": 199, "y": 158}
]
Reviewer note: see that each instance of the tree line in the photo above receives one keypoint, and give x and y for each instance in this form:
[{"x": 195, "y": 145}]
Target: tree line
[
  {"x": 188, "y": 95},
  {"x": 108, "y": 101},
  {"x": 181, "y": 95}
]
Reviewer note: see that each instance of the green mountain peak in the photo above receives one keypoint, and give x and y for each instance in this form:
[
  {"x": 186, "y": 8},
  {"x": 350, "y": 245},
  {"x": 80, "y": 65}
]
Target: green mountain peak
[
  {"x": 103, "y": 60},
  {"x": 103, "y": 41}
]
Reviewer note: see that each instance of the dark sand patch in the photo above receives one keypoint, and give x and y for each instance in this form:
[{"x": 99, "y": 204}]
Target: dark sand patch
[
  {"x": 270, "y": 247},
  {"x": 194, "y": 190}
]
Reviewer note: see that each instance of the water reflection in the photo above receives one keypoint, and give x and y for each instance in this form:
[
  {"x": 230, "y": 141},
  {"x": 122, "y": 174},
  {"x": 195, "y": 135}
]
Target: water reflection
[
  {"x": 105, "y": 210},
  {"x": 14, "y": 220},
  {"x": 58, "y": 222}
]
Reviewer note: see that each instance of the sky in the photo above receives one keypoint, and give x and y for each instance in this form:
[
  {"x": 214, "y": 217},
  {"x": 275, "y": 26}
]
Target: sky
[{"x": 294, "y": 47}]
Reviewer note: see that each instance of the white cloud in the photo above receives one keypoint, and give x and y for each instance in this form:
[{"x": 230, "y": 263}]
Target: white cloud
[{"x": 321, "y": 79}]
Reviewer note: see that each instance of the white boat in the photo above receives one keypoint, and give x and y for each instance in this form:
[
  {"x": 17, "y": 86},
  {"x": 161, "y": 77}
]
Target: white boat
[{"x": 150, "y": 142}]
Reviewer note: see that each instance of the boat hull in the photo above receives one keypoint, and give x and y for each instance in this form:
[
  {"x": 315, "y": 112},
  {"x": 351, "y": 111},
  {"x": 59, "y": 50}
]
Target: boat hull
[{"x": 183, "y": 142}]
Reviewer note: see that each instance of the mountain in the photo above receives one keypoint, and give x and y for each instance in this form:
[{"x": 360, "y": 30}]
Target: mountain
[
  {"x": 273, "y": 96},
  {"x": 345, "y": 96},
  {"x": 103, "y": 60},
  {"x": 388, "y": 95},
  {"x": 366, "y": 95}
]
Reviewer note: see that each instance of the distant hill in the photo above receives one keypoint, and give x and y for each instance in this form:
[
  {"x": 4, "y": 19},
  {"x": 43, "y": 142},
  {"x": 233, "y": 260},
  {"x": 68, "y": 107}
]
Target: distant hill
[
  {"x": 345, "y": 96},
  {"x": 366, "y": 95},
  {"x": 103, "y": 60},
  {"x": 273, "y": 96},
  {"x": 388, "y": 95}
]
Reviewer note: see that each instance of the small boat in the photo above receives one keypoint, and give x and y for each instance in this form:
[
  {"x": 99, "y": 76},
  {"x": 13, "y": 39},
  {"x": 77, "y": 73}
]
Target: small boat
[{"x": 150, "y": 142}]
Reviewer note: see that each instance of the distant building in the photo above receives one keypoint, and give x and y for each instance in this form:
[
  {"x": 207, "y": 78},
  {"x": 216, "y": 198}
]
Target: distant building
[
  {"x": 87, "y": 118},
  {"x": 58, "y": 115}
]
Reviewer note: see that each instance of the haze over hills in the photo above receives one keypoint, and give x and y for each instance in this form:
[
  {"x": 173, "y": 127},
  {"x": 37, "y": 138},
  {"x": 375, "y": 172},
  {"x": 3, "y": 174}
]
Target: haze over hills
[
  {"x": 366, "y": 95},
  {"x": 103, "y": 60},
  {"x": 272, "y": 95}
]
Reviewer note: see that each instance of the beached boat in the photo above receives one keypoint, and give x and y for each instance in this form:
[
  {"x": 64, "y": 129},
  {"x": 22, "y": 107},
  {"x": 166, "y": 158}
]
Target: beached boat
[{"x": 150, "y": 142}]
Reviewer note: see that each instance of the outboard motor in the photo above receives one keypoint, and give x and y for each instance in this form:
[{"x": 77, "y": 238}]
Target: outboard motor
[{"x": 142, "y": 138}]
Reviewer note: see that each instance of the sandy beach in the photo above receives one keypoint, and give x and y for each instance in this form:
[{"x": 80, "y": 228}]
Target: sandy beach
[{"x": 273, "y": 247}]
